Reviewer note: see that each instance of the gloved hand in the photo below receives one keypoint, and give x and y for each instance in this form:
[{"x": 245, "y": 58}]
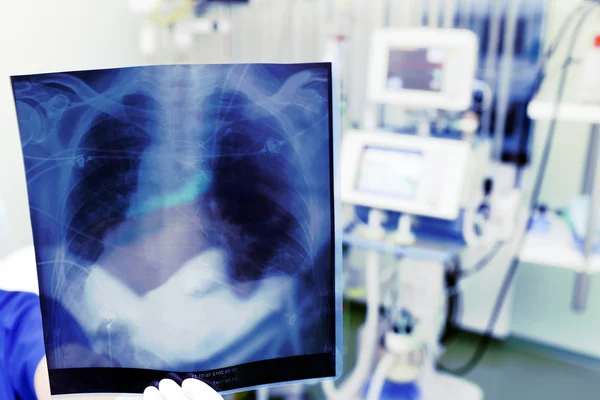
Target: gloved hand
[{"x": 191, "y": 389}]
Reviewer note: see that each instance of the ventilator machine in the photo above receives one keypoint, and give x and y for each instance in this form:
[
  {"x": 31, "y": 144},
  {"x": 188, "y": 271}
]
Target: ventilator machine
[{"x": 425, "y": 196}]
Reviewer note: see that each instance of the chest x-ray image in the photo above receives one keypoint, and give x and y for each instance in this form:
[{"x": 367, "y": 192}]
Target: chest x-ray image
[{"x": 183, "y": 223}]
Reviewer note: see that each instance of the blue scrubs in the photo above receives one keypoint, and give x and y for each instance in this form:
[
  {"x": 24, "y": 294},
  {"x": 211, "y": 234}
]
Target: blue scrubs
[{"x": 21, "y": 344}]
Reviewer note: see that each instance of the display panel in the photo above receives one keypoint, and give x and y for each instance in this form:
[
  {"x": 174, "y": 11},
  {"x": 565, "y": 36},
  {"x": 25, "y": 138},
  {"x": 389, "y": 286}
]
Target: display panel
[
  {"x": 183, "y": 223},
  {"x": 416, "y": 69},
  {"x": 390, "y": 172},
  {"x": 422, "y": 68}
]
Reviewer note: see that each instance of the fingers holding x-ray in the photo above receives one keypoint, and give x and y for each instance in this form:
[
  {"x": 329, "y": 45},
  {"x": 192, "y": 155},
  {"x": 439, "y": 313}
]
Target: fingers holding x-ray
[
  {"x": 198, "y": 390},
  {"x": 192, "y": 389},
  {"x": 152, "y": 393}
]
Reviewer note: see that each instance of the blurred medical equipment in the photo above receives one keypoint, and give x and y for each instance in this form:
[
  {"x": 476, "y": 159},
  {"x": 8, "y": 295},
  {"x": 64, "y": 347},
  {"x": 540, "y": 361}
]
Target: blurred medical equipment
[
  {"x": 430, "y": 181},
  {"x": 176, "y": 22},
  {"x": 509, "y": 34},
  {"x": 577, "y": 215},
  {"x": 554, "y": 246},
  {"x": 590, "y": 79},
  {"x": 395, "y": 172},
  {"x": 529, "y": 251},
  {"x": 338, "y": 23},
  {"x": 423, "y": 68}
]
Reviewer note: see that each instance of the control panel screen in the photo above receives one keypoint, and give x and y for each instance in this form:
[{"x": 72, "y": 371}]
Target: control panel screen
[
  {"x": 390, "y": 172},
  {"x": 416, "y": 69}
]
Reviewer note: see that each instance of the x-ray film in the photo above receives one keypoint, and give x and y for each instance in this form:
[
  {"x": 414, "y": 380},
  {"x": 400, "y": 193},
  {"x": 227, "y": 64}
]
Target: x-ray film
[{"x": 183, "y": 222}]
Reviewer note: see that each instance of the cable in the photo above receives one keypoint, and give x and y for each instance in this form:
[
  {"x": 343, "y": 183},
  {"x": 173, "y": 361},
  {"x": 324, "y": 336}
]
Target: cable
[
  {"x": 542, "y": 64},
  {"x": 452, "y": 304},
  {"x": 486, "y": 339},
  {"x": 539, "y": 78},
  {"x": 453, "y": 277},
  {"x": 483, "y": 262},
  {"x": 554, "y": 119}
]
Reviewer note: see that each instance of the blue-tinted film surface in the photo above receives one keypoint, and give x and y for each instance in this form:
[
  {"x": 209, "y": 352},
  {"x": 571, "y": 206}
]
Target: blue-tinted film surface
[{"x": 182, "y": 219}]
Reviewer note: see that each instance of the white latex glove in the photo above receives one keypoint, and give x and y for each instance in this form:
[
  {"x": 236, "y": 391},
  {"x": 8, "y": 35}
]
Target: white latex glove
[{"x": 191, "y": 389}]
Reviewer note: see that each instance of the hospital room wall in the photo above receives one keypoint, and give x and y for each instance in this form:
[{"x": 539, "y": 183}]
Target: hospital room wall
[{"x": 49, "y": 36}]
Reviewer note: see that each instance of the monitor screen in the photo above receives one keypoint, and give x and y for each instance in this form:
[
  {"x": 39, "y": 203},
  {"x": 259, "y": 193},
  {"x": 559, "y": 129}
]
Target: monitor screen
[
  {"x": 390, "y": 172},
  {"x": 416, "y": 69}
]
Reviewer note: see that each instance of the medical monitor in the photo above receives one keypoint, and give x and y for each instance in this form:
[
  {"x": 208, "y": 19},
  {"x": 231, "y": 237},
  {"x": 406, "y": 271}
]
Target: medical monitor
[
  {"x": 423, "y": 68},
  {"x": 389, "y": 172},
  {"x": 411, "y": 174}
]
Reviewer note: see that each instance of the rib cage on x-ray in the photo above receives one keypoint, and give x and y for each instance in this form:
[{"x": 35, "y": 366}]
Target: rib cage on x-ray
[
  {"x": 90, "y": 137},
  {"x": 132, "y": 125}
]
